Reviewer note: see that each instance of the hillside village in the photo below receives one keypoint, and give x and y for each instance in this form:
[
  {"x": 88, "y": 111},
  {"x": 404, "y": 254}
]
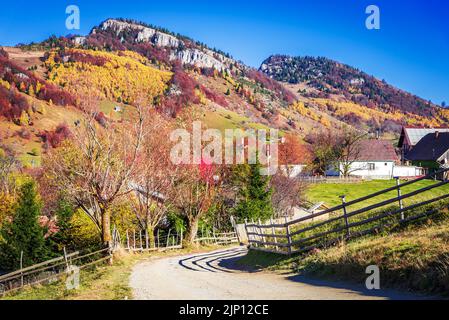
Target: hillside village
[{"x": 85, "y": 154}]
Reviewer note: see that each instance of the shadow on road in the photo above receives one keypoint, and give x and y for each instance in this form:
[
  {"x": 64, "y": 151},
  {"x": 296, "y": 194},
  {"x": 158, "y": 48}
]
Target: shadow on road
[
  {"x": 212, "y": 262},
  {"x": 226, "y": 261}
]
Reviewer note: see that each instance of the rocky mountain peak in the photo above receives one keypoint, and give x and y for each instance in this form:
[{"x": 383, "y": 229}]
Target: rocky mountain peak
[{"x": 183, "y": 49}]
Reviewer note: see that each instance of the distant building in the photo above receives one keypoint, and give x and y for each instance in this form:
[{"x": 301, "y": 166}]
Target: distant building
[
  {"x": 431, "y": 152},
  {"x": 411, "y": 136},
  {"x": 377, "y": 159}
]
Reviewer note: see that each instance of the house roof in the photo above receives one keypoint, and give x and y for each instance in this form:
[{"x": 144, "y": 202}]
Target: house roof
[
  {"x": 430, "y": 148},
  {"x": 376, "y": 150},
  {"x": 412, "y": 135}
]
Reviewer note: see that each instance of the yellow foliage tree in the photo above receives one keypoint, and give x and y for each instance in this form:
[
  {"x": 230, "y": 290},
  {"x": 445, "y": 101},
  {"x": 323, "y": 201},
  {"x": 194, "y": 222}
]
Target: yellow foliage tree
[{"x": 121, "y": 78}]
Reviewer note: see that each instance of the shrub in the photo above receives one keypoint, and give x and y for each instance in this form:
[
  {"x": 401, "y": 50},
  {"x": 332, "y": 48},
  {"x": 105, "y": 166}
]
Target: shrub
[
  {"x": 55, "y": 138},
  {"x": 101, "y": 119},
  {"x": 214, "y": 97}
]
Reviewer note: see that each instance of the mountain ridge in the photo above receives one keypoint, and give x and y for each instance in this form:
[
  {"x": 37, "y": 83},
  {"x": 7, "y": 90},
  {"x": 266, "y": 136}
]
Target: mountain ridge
[{"x": 45, "y": 82}]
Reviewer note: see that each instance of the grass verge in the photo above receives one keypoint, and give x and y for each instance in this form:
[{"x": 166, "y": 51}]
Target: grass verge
[
  {"x": 101, "y": 282},
  {"x": 415, "y": 259}
]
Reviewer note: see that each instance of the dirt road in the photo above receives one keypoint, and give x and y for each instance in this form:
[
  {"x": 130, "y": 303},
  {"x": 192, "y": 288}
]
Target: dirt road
[{"x": 213, "y": 276}]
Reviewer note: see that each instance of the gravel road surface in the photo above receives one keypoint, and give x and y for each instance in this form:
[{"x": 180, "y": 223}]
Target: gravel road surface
[{"x": 214, "y": 276}]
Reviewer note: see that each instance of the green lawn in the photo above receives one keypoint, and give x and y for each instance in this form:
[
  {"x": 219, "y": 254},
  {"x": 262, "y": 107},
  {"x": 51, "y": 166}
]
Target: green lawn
[{"x": 330, "y": 193}]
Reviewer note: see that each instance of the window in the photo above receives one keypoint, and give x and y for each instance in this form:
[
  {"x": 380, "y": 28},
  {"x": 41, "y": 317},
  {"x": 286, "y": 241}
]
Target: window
[{"x": 371, "y": 166}]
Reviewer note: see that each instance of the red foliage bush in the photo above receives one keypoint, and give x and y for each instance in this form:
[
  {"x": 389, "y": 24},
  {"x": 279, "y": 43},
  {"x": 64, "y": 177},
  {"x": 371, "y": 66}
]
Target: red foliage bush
[
  {"x": 23, "y": 80},
  {"x": 101, "y": 119},
  {"x": 213, "y": 96},
  {"x": 186, "y": 83},
  {"x": 171, "y": 105},
  {"x": 105, "y": 40},
  {"x": 154, "y": 54},
  {"x": 12, "y": 104},
  {"x": 56, "y": 95},
  {"x": 55, "y": 138},
  {"x": 87, "y": 58}
]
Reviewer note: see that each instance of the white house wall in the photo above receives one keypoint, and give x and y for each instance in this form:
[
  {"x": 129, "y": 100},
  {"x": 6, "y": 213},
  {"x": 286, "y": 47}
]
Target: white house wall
[
  {"x": 407, "y": 171},
  {"x": 382, "y": 170}
]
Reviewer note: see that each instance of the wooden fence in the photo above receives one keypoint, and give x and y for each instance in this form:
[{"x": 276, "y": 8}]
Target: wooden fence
[
  {"x": 333, "y": 180},
  {"x": 139, "y": 241},
  {"x": 346, "y": 221},
  {"x": 51, "y": 270},
  {"x": 219, "y": 238}
]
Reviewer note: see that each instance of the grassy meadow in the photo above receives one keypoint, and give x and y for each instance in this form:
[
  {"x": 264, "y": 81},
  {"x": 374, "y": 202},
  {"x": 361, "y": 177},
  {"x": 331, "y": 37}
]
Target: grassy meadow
[{"x": 330, "y": 193}]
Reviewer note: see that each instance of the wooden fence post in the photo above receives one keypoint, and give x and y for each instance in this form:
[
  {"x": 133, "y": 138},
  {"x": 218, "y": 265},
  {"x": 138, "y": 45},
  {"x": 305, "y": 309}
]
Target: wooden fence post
[
  {"x": 181, "y": 238},
  {"x": 147, "y": 244},
  {"x": 253, "y": 229},
  {"x": 127, "y": 239},
  {"x": 168, "y": 238},
  {"x": 134, "y": 239},
  {"x": 140, "y": 238},
  {"x": 65, "y": 258},
  {"x": 401, "y": 204},
  {"x": 345, "y": 214},
  {"x": 247, "y": 235},
  {"x": 260, "y": 231},
  {"x": 21, "y": 267},
  {"x": 273, "y": 231},
  {"x": 158, "y": 243},
  {"x": 289, "y": 239}
]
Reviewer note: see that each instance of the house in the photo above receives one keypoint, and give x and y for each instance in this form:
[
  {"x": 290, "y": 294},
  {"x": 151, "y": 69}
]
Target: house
[
  {"x": 375, "y": 159},
  {"x": 431, "y": 152},
  {"x": 411, "y": 136}
]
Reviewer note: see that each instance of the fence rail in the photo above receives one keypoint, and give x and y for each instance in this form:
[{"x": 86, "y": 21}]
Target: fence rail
[
  {"x": 135, "y": 241},
  {"x": 219, "y": 238},
  {"x": 140, "y": 241},
  {"x": 305, "y": 234},
  {"x": 336, "y": 180},
  {"x": 51, "y": 270}
]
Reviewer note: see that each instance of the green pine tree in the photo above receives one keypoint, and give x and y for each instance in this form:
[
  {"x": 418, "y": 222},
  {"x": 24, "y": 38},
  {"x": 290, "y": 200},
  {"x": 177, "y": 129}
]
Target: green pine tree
[
  {"x": 255, "y": 195},
  {"x": 24, "y": 233},
  {"x": 64, "y": 237}
]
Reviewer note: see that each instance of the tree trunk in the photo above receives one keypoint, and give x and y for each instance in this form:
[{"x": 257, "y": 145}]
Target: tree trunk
[
  {"x": 192, "y": 230},
  {"x": 106, "y": 228},
  {"x": 151, "y": 237}
]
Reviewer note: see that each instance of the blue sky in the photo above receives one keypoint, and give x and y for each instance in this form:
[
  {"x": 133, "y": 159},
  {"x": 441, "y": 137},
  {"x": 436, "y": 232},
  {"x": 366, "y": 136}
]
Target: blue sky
[{"x": 411, "y": 51}]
